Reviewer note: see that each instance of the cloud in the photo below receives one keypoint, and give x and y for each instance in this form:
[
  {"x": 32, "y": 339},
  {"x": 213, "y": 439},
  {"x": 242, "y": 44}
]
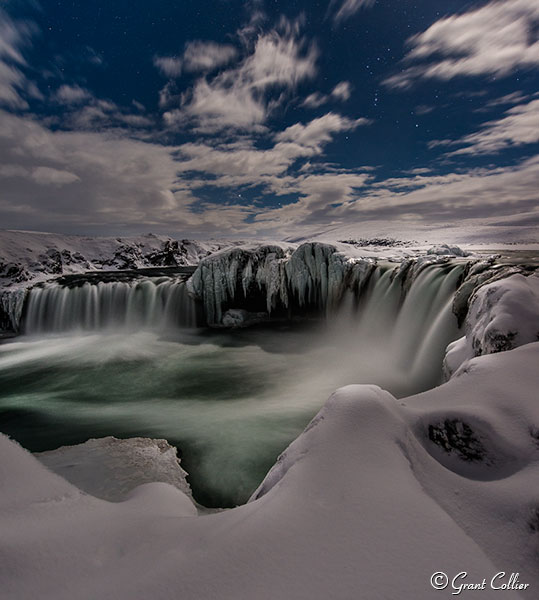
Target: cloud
[
  {"x": 518, "y": 127},
  {"x": 319, "y": 131},
  {"x": 214, "y": 106},
  {"x": 170, "y": 66},
  {"x": 14, "y": 35},
  {"x": 348, "y": 8},
  {"x": 473, "y": 199},
  {"x": 513, "y": 98},
  {"x": 495, "y": 39},
  {"x": 71, "y": 94},
  {"x": 96, "y": 114},
  {"x": 206, "y": 56},
  {"x": 55, "y": 177},
  {"x": 242, "y": 164},
  {"x": 315, "y": 100},
  {"x": 242, "y": 97},
  {"x": 341, "y": 92},
  {"x": 119, "y": 182}
]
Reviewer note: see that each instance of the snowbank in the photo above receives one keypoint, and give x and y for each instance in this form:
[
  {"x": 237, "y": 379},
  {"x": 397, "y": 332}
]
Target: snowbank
[{"x": 446, "y": 250}]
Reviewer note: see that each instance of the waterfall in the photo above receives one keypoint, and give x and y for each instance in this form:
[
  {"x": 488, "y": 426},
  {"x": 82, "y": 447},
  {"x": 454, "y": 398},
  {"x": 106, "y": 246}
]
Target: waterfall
[
  {"x": 156, "y": 303},
  {"x": 401, "y": 322}
]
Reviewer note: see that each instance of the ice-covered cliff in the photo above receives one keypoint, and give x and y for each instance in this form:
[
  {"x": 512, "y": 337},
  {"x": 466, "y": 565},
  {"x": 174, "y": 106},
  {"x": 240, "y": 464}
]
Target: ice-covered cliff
[{"x": 316, "y": 276}]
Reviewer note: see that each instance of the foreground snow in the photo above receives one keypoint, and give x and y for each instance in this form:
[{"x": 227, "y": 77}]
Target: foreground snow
[{"x": 373, "y": 498}]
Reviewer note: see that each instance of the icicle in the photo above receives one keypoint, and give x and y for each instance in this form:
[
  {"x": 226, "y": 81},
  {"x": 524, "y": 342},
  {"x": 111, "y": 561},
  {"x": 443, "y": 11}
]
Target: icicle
[{"x": 11, "y": 304}]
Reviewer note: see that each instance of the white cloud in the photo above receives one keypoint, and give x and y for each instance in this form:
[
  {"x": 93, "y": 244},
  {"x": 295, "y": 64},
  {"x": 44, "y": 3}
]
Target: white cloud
[
  {"x": 342, "y": 91},
  {"x": 170, "y": 66},
  {"x": 206, "y": 56},
  {"x": 513, "y": 98},
  {"x": 478, "y": 197},
  {"x": 97, "y": 114},
  {"x": 242, "y": 97},
  {"x": 519, "y": 126},
  {"x": 11, "y": 82},
  {"x": 349, "y": 8},
  {"x": 122, "y": 181},
  {"x": 71, "y": 94},
  {"x": 242, "y": 164},
  {"x": 315, "y": 100},
  {"x": 55, "y": 177},
  {"x": 13, "y": 36},
  {"x": 495, "y": 39},
  {"x": 319, "y": 131}
]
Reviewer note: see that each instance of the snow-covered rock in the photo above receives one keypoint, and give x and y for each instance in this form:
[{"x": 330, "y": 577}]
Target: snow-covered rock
[
  {"x": 502, "y": 315},
  {"x": 110, "y": 468},
  {"x": 446, "y": 250},
  {"x": 237, "y": 317}
]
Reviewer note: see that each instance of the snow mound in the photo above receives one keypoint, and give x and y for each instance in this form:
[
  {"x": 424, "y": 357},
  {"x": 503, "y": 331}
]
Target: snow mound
[
  {"x": 110, "y": 468},
  {"x": 502, "y": 315}
]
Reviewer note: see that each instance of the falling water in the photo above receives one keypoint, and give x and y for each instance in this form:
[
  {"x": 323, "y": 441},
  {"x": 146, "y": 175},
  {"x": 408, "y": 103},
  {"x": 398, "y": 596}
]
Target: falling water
[
  {"x": 145, "y": 304},
  {"x": 397, "y": 328}
]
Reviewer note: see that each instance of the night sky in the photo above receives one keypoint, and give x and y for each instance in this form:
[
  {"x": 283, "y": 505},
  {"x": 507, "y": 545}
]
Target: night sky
[{"x": 215, "y": 118}]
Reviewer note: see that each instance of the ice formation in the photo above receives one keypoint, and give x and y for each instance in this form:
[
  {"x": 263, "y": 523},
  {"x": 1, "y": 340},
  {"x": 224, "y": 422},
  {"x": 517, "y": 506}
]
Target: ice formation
[
  {"x": 110, "y": 468},
  {"x": 314, "y": 274}
]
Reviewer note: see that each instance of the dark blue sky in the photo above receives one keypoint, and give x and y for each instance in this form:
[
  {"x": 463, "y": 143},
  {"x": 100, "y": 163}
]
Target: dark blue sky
[{"x": 264, "y": 118}]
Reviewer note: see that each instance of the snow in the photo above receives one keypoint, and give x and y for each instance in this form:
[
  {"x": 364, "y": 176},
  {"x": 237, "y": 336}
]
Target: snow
[
  {"x": 446, "y": 250},
  {"x": 34, "y": 256},
  {"x": 502, "y": 315}
]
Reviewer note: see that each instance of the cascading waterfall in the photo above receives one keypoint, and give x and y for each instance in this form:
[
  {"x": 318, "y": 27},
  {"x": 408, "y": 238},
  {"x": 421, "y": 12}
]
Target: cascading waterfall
[
  {"x": 401, "y": 316},
  {"x": 398, "y": 325},
  {"x": 142, "y": 304}
]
